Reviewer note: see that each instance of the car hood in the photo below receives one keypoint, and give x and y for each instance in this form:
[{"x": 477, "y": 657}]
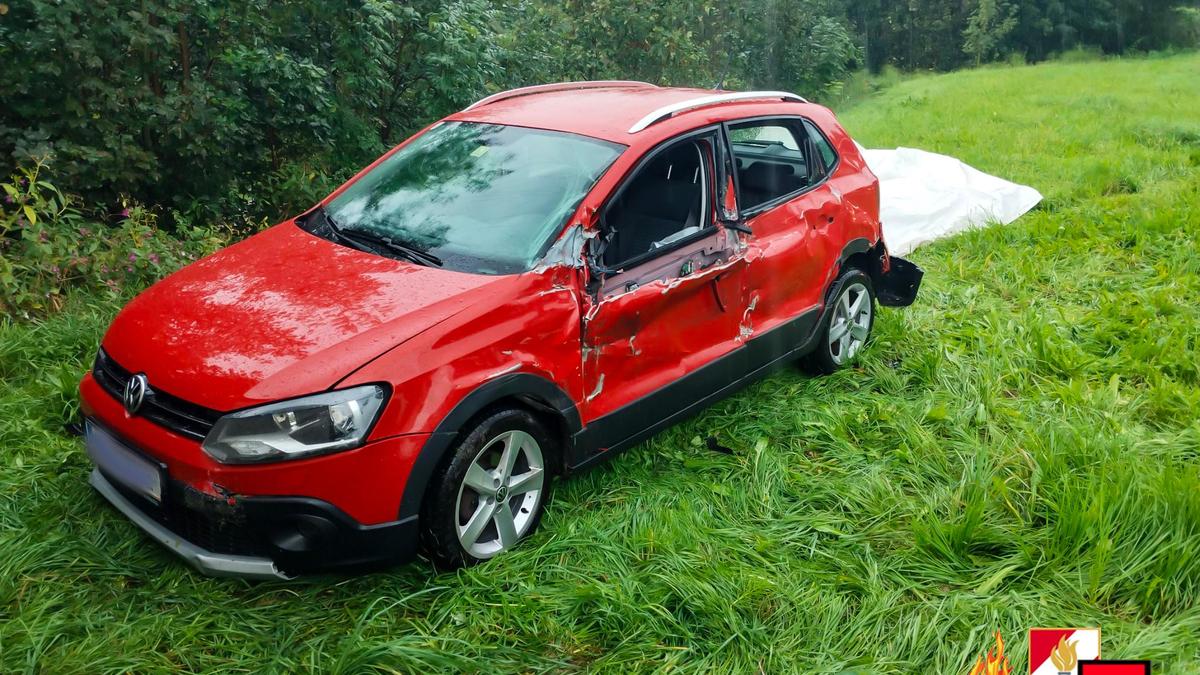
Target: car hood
[{"x": 281, "y": 314}]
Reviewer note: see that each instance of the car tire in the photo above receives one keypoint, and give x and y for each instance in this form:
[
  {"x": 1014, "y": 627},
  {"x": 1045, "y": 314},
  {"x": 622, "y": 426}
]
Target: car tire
[
  {"x": 477, "y": 508},
  {"x": 846, "y": 324}
]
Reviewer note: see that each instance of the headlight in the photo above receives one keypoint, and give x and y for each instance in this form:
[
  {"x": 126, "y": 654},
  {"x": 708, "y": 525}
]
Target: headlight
[{"x": 301, "y": 427}]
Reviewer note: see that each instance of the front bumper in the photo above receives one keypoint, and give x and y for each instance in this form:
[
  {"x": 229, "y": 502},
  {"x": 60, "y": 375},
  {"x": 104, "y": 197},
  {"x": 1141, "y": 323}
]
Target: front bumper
[
  {"x": 214, "y": 564},
  {"x": 261, "y": 537},
  {"x": 228, "y": 534}
]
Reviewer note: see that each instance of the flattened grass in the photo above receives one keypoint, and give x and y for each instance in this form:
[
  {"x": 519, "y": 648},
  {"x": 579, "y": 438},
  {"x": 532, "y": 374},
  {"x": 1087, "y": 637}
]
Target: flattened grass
[{"x": 1019, "y": 449}]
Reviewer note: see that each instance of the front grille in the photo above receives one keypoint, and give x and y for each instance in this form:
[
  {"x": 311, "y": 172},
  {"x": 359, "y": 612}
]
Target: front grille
[
  {"x": 200, "y": 519},
  {"x": 165, "y": 410}
]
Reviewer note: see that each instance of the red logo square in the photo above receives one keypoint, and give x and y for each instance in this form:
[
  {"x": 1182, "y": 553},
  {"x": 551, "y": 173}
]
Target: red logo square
[{"x": 1114, "y": 668}]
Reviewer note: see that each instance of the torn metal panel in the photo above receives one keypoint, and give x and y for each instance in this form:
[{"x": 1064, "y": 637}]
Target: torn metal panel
[
  {"x": 567, "y": 251},
  {"x": 599, "y": 388},
  {"x": 746, "y": 328}
]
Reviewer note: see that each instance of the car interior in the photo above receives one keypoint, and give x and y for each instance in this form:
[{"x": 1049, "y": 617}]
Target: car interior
[
  {"x": 666, "y": 201},
  {"x": 663, "y": 204}
]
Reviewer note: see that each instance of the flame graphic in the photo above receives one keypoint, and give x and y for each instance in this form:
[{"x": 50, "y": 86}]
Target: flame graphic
[
  {"x": 996, "y": 663},
  {"x": 1063, "y": 655}
]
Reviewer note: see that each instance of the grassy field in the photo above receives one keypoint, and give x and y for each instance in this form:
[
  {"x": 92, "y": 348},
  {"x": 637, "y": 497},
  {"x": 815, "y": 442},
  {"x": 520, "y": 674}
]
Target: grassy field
[{"x": 1019, "y": 449}]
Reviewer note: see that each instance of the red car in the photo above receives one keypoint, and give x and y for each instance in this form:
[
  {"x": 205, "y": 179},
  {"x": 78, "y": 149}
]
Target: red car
[{"x": 517, "y": 292}]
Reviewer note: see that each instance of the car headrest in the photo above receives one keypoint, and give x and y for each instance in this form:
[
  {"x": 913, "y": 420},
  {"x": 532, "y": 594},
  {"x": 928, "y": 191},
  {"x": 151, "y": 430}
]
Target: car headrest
[{"x": 768, "y": 177}]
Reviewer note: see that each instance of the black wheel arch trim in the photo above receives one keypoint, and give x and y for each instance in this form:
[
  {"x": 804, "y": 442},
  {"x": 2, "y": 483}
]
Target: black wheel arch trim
[
  {"x": 852, "y": 248},
  {"x": 898, "y": 286},
  {"x": 533, "y": 390}
]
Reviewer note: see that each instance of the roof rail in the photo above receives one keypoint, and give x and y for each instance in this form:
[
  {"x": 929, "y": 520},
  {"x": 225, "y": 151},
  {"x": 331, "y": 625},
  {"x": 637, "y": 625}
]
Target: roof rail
[
  {"x": 705, "y": 101},
  {"x": 558, "y": 86}
]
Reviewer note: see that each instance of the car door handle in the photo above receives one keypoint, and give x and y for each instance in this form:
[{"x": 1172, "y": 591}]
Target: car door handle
[{"x": 717, "y": 294}]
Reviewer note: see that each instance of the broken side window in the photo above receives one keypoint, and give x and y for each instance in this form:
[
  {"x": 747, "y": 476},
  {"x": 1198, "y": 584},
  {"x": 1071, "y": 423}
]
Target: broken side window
[{"x": 666, "y": 202}]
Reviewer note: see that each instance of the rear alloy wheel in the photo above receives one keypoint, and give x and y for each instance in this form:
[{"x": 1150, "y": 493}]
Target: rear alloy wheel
[
  {"x": 847, "y": 323},
  {"x": 492, "y": 493},
  {"x": 851, "y": 323}
]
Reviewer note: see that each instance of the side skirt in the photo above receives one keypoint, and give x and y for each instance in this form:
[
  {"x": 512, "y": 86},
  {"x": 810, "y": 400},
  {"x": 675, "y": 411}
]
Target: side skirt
[{"x": 609, "y": 435}]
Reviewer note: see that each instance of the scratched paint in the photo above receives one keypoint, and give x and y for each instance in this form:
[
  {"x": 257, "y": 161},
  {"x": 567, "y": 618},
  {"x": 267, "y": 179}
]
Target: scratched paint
[
  {"x": 599, "y": 387},
  {"x": 746, "y": 328}
]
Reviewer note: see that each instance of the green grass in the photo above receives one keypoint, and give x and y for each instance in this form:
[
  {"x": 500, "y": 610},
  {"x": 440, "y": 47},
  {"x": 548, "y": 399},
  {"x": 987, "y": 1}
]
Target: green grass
[{"x": 1021, "y": 448}]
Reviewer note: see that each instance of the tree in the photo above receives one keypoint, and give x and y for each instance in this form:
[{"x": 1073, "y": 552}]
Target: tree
[
  {"x": 989, "y": 25},
  {"x": 213, "y": 105}
]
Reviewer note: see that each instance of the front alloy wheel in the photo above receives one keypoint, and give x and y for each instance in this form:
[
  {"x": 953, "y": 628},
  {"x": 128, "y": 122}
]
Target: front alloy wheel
[
  {"x": 500, "y": 494},
  {"x": 492, "y": 491}
]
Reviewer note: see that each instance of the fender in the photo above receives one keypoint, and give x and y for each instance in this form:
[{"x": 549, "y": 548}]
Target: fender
[{"x": 533, "y": 389}]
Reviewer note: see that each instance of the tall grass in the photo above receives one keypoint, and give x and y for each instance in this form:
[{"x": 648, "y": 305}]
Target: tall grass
[{"x": 1019, "y": 449}]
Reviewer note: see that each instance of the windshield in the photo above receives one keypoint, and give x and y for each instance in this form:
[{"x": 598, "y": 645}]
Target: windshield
[{"x": 483, "y": 198}]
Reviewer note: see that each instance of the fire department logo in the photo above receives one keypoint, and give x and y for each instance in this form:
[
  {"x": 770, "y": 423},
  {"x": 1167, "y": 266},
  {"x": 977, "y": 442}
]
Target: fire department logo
[
  {"x": 994, "y": 662},
  {"x": 1057, "y": 651}
]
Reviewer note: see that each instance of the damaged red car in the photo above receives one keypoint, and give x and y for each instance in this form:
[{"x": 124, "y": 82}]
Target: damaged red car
[{"x": 516, "y": 293}]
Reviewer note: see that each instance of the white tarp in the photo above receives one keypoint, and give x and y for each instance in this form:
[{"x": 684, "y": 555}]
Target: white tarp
[{"x": 926, "y": 196}]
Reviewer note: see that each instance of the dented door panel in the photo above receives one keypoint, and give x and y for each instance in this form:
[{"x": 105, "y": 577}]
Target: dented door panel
[
  {"x": 792, "y": 255},
  {"x": 651, "y": 325},
  {"x": 797, "y": 247}
]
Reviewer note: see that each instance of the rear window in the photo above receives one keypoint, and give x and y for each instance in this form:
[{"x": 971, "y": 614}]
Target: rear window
[
  {"x": 828, "y": 155},
  {"x": 770, "y": 161}
]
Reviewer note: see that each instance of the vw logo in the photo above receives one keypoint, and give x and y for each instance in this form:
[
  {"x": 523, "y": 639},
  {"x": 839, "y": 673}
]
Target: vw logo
[{"x": 135, "y": 393}]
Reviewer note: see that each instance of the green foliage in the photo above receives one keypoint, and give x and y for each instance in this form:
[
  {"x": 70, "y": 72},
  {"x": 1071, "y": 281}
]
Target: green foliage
[
  {"x": 48, "y": 248},
  {"x": 241, "y": 110},
  {"x": 1018, "y": 449},
  {"x": 986, "y": 30},
  {"x": 943, "y": 34},
  {"x": 756, "y": 43},
  {"x": 1185, "y": 27},
  {"x": 218, "y": 106},
  {"x": 802, "y": 46},
  {"x": 244, "y": 110}
]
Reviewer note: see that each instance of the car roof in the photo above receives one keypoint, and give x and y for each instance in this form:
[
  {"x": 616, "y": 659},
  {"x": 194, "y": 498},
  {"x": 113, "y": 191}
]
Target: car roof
[{"x": 605, "y": 111}]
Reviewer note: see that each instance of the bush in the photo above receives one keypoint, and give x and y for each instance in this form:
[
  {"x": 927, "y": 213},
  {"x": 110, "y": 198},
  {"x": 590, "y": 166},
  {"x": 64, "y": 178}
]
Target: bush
[
  {"x": 210, "y": 106},
  {"x": 48, "y": 248}
]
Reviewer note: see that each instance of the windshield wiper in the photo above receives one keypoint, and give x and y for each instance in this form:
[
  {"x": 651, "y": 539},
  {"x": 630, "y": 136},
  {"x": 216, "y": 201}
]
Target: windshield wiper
[
  {"x": 400, "y": 248},
  {"x": 360, "y": 237}
]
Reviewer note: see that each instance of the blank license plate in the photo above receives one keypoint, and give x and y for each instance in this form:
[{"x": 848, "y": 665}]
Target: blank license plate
[{"x": 122, "y": 464}]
